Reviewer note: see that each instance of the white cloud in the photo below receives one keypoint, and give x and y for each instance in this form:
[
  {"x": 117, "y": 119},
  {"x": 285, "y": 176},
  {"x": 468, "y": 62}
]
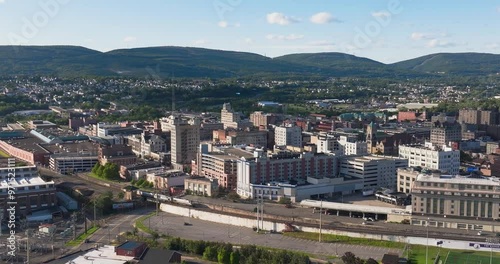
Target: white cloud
[
  {"x": 248, "y": 40},
  {"x": 498, "y": 9},
  {"x": 437, "y": 43},
  {"x": 222, "y": 24},
  {"x": 129, "y": 39},
  {"x": 323, "y": 18},
  {"x": 284, "y": 37},
  {"x": 428, "y": 36},
  {"x": 381, "y": 14},
  {"x": 280, "y": 19},
  {"x": 2, "y": 1},
  {"x": 420, "y": 36}
]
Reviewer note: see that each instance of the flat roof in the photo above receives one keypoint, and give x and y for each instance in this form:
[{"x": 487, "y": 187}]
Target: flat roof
[
  {"x": 85, "y": 146},
  {"x": 103, "y": 255},
  {"x": 19, "y": 182},
  {"x": 29, "y": 143},
  {"x": 130, "y": 245},
  {"x": 354, "y": 207},
  {"x": 494, "y": 181}
]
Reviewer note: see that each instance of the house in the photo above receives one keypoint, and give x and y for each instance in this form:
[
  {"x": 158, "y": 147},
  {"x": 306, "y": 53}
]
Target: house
[
  {"x": 393, "y": 259},
  {"x": 160, "y": 256}
]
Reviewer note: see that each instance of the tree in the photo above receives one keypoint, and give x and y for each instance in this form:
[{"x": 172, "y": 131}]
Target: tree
[
  {"x": 210, "y": 253},
  {"x": 99, "y": 171},
  {"x": 350, "y": 258},
  {"x": 121, "y": 195},
  {"x": 234, "y": 258},
  {"x": 223, "y": 256},
  {"x": 371, "y": 261},
  {"x": 96, "y": 167}
]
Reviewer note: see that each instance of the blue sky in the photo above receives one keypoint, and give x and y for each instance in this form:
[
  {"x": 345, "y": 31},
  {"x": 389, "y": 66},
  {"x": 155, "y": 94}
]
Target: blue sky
[{"x": 387, "y": 31}]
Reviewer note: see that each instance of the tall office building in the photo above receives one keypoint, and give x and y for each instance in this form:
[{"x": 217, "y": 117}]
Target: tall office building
[
  {"x": 288, "y": 136},
  {"x": 228, "y": 117},
  {"x": 184, "y": 139}
]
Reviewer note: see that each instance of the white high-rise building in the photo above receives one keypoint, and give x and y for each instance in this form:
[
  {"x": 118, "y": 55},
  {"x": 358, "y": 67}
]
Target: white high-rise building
[
  {"x": 432, "y": 157},
  {"x": 288, "y": 136}
]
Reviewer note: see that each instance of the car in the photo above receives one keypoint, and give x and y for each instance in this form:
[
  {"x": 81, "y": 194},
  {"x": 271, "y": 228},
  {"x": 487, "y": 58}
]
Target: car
[
  {"x": 371, "y": 219},
  {"x": 480, "y": 233}
]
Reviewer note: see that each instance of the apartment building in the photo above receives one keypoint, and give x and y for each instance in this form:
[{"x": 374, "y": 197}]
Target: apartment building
[
  {"x": 228, "y": 117},
  {"x": 375, "y": 171},
  {"x": 282, "y": 167},
  {"x": 431, "y": 157},
  {"x": 460, "y": 196},
  {"x": 259, "y": 118},
  {"x": 327, "y": 144},
  {"x": 288, "y": 135},
  {"x": 443, "y": 134},
  {"x": 478, "y": 117}
]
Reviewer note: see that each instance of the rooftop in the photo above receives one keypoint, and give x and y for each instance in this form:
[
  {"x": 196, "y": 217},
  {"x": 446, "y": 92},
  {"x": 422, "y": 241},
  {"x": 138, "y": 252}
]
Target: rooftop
[
  {"x": 102, "y": 255},
  {"x": 494, "y": 181},
  {"x": 29, "y": 143},
  {"x": 84, "y": 147},
  {"x": 130, "y": 245},
  {"x": 22, "y": 182}
]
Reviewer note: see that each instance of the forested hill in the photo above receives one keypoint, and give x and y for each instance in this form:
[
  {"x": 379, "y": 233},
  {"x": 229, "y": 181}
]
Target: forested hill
[{"x": 166, "y": 62}]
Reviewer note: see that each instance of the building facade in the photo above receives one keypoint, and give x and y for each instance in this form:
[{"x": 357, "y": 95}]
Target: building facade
[
  {"x": 288, "y": 136},
  {"x": 201, "y": 185},
  {"x": 184, "y": 139},
  {"x": 442, "y": 135},
  {"x": 31, "y": 191},
  {"x": 456, "y": 196},
  {"x": 431, "y": 157},
  {"x": 351, "y": 146},
  {"x": 259, "y": 118},
  {"x": 283, "y": 167},
  {"x": 375, "y": 171}
]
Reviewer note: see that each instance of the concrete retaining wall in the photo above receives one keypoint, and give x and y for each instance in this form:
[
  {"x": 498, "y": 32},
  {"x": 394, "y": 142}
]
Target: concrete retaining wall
[{"x": 277, "y": 226}]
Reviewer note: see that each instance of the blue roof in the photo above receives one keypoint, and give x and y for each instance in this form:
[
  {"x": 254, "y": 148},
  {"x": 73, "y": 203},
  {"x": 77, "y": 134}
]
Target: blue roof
[{"x": 130, "y": 245}]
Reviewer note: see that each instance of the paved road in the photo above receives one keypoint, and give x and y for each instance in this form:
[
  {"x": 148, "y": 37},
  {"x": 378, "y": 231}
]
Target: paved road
[{"x": 204, "y": 230}]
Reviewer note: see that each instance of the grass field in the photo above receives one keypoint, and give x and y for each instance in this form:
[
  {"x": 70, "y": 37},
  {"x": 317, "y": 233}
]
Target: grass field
[
  {"x": 457, "y": 257},
  {"x": 82, "y": 237},
  {"x": 415, "y": 253}
]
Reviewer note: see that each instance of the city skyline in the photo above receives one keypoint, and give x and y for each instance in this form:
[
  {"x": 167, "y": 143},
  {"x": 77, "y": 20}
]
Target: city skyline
[{"x": 365, "y": 29}]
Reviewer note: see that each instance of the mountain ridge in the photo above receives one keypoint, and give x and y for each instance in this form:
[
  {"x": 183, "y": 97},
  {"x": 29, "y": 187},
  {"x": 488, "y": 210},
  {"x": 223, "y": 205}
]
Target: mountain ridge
[{"x": 189, "y": 62}]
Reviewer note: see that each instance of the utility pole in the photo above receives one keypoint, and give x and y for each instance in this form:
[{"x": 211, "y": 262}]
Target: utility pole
[
  {"x": 258, "y": 208},
  {"x": 427, "y": 246},
  {"x": 94, "y": 213},
  {"x": 28, "y": 246},
  {"x": 320, "y": 219}
]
